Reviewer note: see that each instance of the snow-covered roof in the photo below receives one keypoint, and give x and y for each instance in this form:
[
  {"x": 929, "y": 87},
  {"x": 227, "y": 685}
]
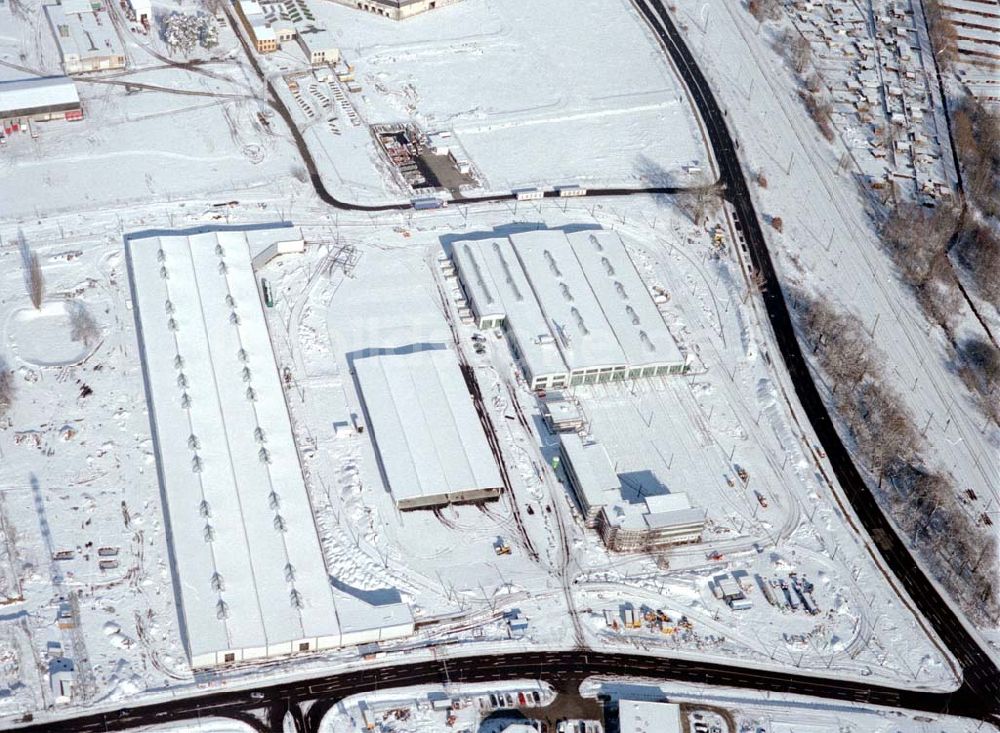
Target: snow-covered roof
[
  {"x": 24, "y": 95},
  {"x": 427, "y": 433},
  {"x": 640, "y": 716},
  {"x": 635, "y": 320},
  {"x": 584, "y": 335},
  {"x": 250, "y": 568},
  {"x": 83, "y": 35},
  {"x": 318, "y": 39},
  {"x": 596, "y": 476},
  {"x": 572, "y": 302},
  {"x": 498, "y": 286}
]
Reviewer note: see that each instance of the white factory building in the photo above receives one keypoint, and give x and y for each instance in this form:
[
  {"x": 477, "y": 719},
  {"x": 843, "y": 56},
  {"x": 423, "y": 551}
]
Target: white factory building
[
  {"x": 86, "y": 38},
  {"x": 429, "y": 439},
  {"x": 628, "y": 518},
  {"x": 572, "y": 305},
  {"x": 249, "y": 571},
  {"x": 38, "y": 99}
]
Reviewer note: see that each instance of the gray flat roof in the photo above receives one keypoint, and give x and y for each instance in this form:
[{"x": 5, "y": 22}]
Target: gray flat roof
[{"x": 423, "y": 422}]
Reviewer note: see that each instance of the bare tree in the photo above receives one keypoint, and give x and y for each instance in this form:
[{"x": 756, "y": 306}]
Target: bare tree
[
  {"x": 34, "y": 281},
  {"x": 700, "y": 203},
  {"x": 6, "y": 387},
  {"x": 800, "y": 53},
  {"x": 83, "y": 327},
  {"x": 764, "y": 9},
  {"x": 979, "y": 253}
]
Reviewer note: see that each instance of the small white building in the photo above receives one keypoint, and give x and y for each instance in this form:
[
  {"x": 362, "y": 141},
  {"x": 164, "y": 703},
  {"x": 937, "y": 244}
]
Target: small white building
[
  {"x": 641, "y": 716},
  {"x": 143, "y": 10},
  {"x": 62, "y": 677},
  {"x": 319, "y": 46}
]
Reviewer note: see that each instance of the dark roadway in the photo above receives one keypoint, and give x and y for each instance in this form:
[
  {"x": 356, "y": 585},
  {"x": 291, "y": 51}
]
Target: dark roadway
[{"x": 977, "y": 697}]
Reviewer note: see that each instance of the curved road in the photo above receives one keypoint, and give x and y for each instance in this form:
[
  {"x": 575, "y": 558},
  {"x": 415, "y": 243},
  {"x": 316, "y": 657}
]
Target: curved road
[{"x": 563, "y": 670}]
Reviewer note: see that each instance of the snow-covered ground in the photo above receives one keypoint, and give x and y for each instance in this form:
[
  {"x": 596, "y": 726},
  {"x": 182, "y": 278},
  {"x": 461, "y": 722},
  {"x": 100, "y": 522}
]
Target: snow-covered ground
[
  {"x": 204, "y": 725},
  {"x": 592, "y": 100},
  {"x": 829, "y": 246},
  {"x": 782, "y": 713},
  {"x": 538, "y": 94},
  {"x": 96, "y": 482}
]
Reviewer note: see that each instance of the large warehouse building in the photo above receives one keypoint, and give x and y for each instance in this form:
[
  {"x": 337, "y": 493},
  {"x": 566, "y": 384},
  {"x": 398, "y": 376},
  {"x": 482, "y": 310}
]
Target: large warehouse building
[
  {"x": 249, "y": 570},
  {"x": 628, "y": 518},
  {"x": 573, "y": 306},
  {"x": 39, "y": 99},
  {"x": 429, "y": 440}
]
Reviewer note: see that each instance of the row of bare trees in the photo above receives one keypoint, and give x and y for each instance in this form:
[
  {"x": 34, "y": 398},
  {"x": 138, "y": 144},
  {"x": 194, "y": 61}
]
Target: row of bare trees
[
  {"x": 976, "y": 137},
  {"x": 924, "y": 504}
]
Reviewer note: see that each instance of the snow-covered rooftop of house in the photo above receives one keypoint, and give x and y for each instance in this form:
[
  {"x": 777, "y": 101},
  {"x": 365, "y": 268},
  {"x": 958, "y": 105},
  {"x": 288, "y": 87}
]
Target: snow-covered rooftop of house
[
  {"x": 425, "y": 428},
  {"x": 641, "y": 716},
  {"x": 248, "y": 560},
  {"x": 318, "y": 39},
  {"x": 36, "y": 92}
]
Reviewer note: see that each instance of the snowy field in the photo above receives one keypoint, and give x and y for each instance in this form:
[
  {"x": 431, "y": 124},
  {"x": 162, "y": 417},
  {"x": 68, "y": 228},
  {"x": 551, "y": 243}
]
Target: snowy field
[
  {"x": 829, "y": 248},
  {"x": 782, "y": 713},
  {"x": 538, "y": 94}
]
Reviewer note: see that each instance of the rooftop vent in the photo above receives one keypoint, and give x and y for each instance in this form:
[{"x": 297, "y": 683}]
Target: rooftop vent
[
  {"x": 552, "y": 263},
  {"x": 608, "y": 267},
  {"x": 597, "y": 243}
]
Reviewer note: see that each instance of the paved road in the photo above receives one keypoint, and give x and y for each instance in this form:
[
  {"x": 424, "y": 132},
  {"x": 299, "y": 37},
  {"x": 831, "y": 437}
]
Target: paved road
[
  {"x": 979, "y": 695},
  {"x": 563, "y": 670}
]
